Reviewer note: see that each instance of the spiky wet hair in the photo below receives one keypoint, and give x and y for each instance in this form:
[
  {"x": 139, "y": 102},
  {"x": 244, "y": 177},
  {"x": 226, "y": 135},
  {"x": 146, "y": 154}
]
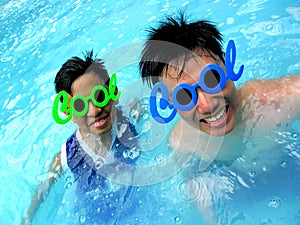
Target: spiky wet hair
[
  {"x": 160, "y": 47},
  {"x": 76, "y": 67}
]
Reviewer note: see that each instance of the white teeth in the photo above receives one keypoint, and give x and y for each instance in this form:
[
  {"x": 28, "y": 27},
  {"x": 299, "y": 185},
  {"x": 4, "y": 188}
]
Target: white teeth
[
  {"x": 98, "y": 122},
  {"x": 215, "y": 118}
]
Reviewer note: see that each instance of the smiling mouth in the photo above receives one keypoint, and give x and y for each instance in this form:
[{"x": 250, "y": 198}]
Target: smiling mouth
[
  {"x": 100, "y": 122},
  {"x": 219, "y": 119}
]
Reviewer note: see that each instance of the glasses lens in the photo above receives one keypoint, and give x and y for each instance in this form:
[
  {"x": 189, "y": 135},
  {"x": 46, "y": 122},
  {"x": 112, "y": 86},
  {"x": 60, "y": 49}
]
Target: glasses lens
[
  {"x": 99, "y": 95},
  {"x": 184, "y": 96},
  {"x": 212, "y": 78},
  {"x": 79, "y": 105}
]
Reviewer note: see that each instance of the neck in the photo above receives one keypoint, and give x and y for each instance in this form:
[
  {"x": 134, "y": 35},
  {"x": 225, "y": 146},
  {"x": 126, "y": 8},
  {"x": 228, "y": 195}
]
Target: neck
[
  {"x": 232, "y": 143},
  {"x": 100, "y": 144}
]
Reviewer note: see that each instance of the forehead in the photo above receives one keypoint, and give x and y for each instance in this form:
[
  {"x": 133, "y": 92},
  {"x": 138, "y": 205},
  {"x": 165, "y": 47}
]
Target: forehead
[
  {"x": 85, "y": 83},
  {"x": 191, "y": 66}
]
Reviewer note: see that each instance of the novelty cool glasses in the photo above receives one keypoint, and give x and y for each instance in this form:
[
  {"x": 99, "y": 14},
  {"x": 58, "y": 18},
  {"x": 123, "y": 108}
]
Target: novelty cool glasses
[
  {"x": 212, "y": 80},
  {"x": 99, "y": 96}
]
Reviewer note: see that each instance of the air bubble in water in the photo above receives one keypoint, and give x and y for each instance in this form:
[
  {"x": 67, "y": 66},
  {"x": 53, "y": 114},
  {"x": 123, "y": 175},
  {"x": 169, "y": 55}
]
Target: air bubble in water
[
  {"x": 160, "y": 158},
  {"x": 68, "y": 178},
  {"x": 252, "y": 174},
  {"x": 283, "y": 164},
  {"x": 177, "y": 220},
  {"x": 274, "y": 202},
  {"x": 131, "y": 153},
  {"x": 82, "y": 219},
  {"x": 68, "y": 185},
  {"x": 99, "y": 163},
  {"x": 145, "y": 116}
]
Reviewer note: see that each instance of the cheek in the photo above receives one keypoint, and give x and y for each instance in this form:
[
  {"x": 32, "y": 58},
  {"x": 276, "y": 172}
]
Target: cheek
[
  {"x": 78, "y": 120},
  {"x": 230, "y": 90},
  {"x": 109, "y": 107},
  {"x": 186, "y": 115}
]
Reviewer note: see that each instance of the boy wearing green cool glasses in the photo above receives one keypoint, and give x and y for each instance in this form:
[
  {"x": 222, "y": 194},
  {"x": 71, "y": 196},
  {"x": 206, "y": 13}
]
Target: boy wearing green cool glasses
[{"x": 105, "y": 144}]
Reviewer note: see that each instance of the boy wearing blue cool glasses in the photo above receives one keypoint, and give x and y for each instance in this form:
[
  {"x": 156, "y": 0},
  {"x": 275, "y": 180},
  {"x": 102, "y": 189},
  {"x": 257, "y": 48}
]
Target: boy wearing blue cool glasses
[
  {"x": 104, "y": 145},
  {"x": 184, "y": 64},
  {"x": 189, "y": 73}
]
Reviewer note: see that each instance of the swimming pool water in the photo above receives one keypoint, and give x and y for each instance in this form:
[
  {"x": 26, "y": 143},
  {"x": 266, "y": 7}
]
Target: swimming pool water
[{"x": 38, "y": 36}]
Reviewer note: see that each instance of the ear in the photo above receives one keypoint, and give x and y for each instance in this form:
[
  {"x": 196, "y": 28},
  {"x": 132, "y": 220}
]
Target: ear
[
  {"x": 69, "y": 104},
  {"x": 116, "y": 102},
  {"x": 115, "y": 93},
  {"x": 224, "y": 56}
]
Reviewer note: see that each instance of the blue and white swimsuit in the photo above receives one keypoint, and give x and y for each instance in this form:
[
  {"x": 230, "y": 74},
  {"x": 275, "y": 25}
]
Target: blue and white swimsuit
[{"x": 99, "y": 198}]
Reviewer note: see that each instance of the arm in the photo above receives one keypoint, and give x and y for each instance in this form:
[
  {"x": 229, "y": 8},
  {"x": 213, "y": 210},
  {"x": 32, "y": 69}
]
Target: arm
[
  {"x": 277, "y": 99},
  {"x": 43, "y": 189}
]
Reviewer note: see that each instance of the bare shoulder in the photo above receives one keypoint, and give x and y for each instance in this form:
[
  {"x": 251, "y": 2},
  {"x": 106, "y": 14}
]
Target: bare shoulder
[
  {"x": 272, "y": 89},
  {"x": 257, "y": 89},
  {"x": 276, "y": 100}
]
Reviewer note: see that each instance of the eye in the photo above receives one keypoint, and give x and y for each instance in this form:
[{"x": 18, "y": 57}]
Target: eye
[
  {"x": 212, "y": 78},
  {"x": 99, "y": 96},
  {"x": 184, "y": 96},
  {"x": 79, "y": 105}
]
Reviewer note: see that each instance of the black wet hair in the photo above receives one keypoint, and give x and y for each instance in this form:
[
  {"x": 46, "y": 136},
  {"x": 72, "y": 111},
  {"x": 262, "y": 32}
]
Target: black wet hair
[
  {"x": 76, "y": 67},
  {"x": 190, "y": 36}
]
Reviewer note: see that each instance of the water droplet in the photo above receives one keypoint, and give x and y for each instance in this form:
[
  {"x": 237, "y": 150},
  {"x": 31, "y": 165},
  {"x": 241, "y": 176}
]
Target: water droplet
[
  {"x": 230, "y": 20},
  {"x": 260, "y": 118},
  {"x": 269, "y": 27},
  {"x": 252, "y": 174},
  {"x": 68, "y": 185},
  {"x": 145, "y": 116},
  {"x": 283, "y": 164},
  {"x": 99, "y": 163},
  {"x": 131, "y": 153},
  {"x": 160, "y": 158},
  {"x": 177, "y": 220},
  {"x": 274, "y": 202},
  {"x": 68, "y": 178},
  {"x": 82, "y": 219},
  {"x": 148, "y": 140}
]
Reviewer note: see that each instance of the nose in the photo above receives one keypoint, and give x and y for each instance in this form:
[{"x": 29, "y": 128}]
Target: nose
[
  {"x": 204, "y": 103},
  {"x": 93, "y": 110}
]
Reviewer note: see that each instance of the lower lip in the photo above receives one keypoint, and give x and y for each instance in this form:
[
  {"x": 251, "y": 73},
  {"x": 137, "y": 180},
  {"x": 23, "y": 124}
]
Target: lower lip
[
  {"x": 220, "y": 123},
  {"x": 100, "y": 124}
]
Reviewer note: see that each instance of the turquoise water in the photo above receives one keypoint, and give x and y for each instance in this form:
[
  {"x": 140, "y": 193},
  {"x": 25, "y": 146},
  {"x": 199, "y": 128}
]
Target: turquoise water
[{"x": 38, "y": 36}]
